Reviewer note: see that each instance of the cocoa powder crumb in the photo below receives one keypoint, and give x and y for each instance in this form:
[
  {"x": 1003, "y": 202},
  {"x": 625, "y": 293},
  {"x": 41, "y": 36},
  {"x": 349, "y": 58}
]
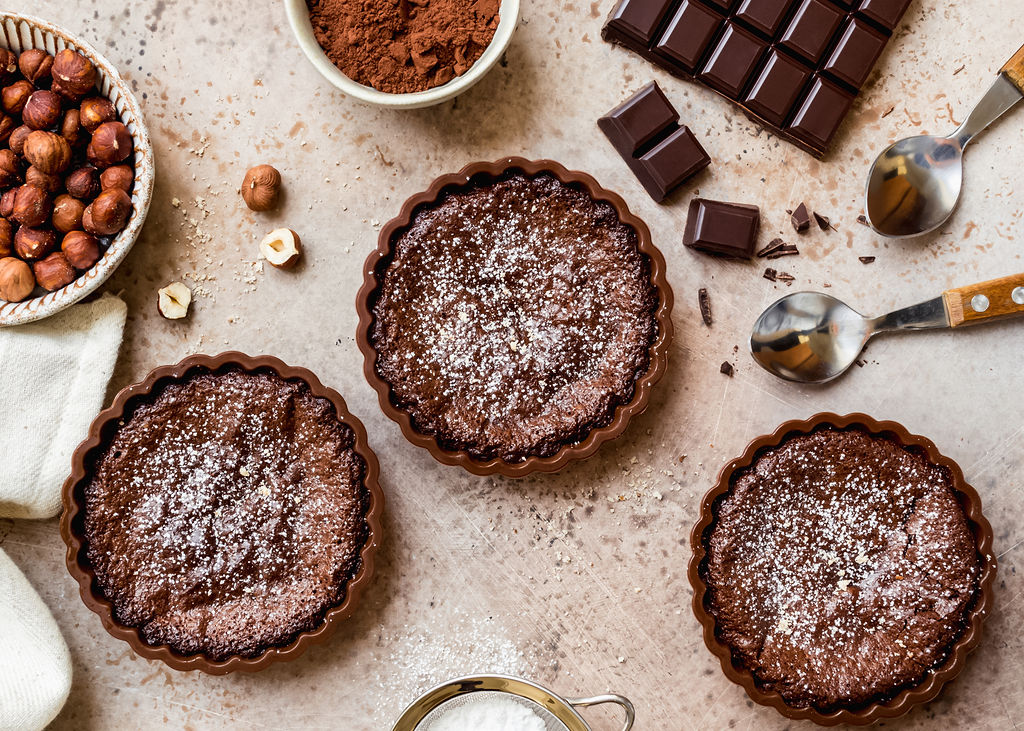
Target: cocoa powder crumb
[{"x": 402, "y": 46}]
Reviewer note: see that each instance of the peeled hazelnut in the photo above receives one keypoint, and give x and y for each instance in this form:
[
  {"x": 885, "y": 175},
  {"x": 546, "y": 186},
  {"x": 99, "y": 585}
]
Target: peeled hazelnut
[
  {"x": 108, "y": 214},
  {"x": 34, "y": 243},
  {"x": 49, "y": 183},
  {"x": 95, "y": 111},
  {"x": 8, "y": 65},
  {"x": 35, "y": 64},
  {"x": 81, "y": 249},
  {"x": 16, "y": 280},
  {"x": 67, "y": 213},
  {"x": 7, "y": 202},
  {"x": 47, "y": 151},
  {"x": 281, "y": 248},
  {"x": 111, "y": 143},
  {"x": 54, "y": 272},
  {"x": 261, "y": 187},
  {"x": 173, "y": 300},
  {"x": 15, "y": 96},
  {"x": 7, "y": 127},
  {"x": 71, "y": 128},
  {"x": 42, "y": 110},
  {"x": 83, "y": 183},
  {"x": 17, "y": 139},
  {"x": 119, "y": 176},
  {"x": 32, "y": 206},
  {"x": 6, "y": 238},
  {"x": 10, "y": 169},
  {"x": 73, "y": 74}
]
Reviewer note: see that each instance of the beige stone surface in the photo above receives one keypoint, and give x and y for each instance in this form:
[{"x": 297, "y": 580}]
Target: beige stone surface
[{"x": 576, "y": 580}]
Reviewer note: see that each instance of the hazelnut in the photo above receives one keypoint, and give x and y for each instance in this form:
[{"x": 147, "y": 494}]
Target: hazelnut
[
  {"x": 108, "y": 214},
  {"x": 281, "y": 248},
  {"x": 42, "y": 110},
  {"x": 173, "y": 300},
  {"x": 74, "y": 75},
  {"x": 81, "y": 249},
  {"x": 67, "y": 213},
  {"x": 10, "y": 169},
  {"x": 261, "y": 187},
  {"x": 17, "y": 139},
  {"x": 8, "y": 66},
  {"x": 34, "y": 243},
  {"x": 54, "y": 272},
  {"x": 7, "y": 202},
  {"x": 111, "y": 144},
  {"x": 6, "y": 238},
  {"x": 83, "y": 183},
  {"x": 47, "y": 151},
  {"x": 16, "y": 279},
  {"x": 35, "y": 64},
  {"x": 119, "y": 176},
  {"x": 7, "y": 127},
  {"x": 32, "y": 206},
  {"x": 95, "y": 111},
  {"x": 71, "y": 128},
  {"x": 49, "y": 183},
  {"x": 15, "y": 96}
]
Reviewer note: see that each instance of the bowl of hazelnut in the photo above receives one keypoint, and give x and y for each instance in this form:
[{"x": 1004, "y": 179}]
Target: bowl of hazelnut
[{"x": 76, "y": 169}]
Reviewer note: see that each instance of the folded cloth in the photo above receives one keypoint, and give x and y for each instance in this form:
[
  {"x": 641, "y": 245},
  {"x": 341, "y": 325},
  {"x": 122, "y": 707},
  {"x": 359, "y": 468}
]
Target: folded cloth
[
  {"x": 53, "y": 380},
  {"x": 35, "y": 666}
]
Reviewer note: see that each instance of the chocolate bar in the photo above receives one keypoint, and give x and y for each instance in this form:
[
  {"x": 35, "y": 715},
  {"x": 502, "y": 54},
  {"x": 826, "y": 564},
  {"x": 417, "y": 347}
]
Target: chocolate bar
[
  {"x": 645, "y": 131},
  {"x": 723, "y": 229},
  {"x": 793, "y": 65}
]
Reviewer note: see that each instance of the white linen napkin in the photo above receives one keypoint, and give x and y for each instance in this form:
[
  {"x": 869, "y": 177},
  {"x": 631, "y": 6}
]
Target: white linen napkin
[{"x": 53, "y": 380}]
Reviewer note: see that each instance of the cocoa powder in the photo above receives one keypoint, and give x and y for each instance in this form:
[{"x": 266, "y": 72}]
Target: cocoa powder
[{"x": 401, "y": 46}]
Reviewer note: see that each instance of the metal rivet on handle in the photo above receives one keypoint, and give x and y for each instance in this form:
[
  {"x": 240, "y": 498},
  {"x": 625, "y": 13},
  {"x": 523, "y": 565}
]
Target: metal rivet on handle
[
  {"x": 1018, "y": 295},
  {"x": 979, "y": 303}
]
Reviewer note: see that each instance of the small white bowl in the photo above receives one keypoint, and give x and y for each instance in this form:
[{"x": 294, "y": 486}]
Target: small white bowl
[
  {"x": 19, "y": 33},
  {"x": 302, "y": 27}
]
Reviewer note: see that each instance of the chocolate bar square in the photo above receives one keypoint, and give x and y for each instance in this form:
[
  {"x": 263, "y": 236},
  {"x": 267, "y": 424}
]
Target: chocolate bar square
[{"x": 723, "y": 229}]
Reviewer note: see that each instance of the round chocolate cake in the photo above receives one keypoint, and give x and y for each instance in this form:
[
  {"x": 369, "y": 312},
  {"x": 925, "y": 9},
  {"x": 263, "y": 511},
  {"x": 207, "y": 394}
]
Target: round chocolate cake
[
  {"x": 514, "y": 317},
  {"x": 227, "y": 514},
  {"x": 841, "y": 569}
]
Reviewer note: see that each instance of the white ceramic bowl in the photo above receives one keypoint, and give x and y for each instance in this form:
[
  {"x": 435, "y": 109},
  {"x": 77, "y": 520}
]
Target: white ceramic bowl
[
  {"x": 302, "y": 27},
  {"x": 21, "y": 32}
]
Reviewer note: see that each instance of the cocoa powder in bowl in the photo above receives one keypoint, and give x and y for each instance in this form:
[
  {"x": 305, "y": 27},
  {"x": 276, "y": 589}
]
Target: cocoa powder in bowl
[{"x": 402, "y": 46}]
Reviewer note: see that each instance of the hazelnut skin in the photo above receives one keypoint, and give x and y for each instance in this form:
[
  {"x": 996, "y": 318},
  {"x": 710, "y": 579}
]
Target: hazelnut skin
[
  {"x": 95, "y": 111},
  {"x": 34, "y": 243},
  {"x": 35, "y": 65},
  {"x": 111, "y": 143},
  {"x": 15, "y": 97},
  {"x": 71, "y": 128},
  {"x": 261, "y": 187},
  {"x": 7, "y": 127},
  {"x": 6, "y": 238},
  {"x": 74, "y": 75},
  {"x": 32, "y": 206},
  {"x": 119, "y": 176},
  {"x": 108, "y": 214},
  {"x": 67, "y": 214},
  {"x": 16, "y": 280},
  {"x": 8, "y": 66},
  {"x": 42, "y": 110},
  {"x": 7, "y": 202},
  {"x": 47, "y": 151},
  {"x": 49, "y": 183},
  {"x": 10, "y": 169},
  {"x": 81, "y": 249},
  {"x": 17, "y": 139},
  {"x": 83, "y": 183},
  {"x": 54, "y": 272}
]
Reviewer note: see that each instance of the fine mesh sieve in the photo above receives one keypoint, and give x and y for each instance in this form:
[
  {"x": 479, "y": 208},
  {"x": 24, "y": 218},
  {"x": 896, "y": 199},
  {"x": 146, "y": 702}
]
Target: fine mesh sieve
[{"x": 557, "y": 713}]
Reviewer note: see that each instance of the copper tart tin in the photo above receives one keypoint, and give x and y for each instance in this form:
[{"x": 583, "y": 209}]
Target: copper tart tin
[
  {"x": 469, "y": 177},
  {"x": 103, "y": 428},
  {"x": 934, "y": 682}
]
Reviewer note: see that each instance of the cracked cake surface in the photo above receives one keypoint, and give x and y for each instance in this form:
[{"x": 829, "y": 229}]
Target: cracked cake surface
[
  {"x": 513, "y": 317},
  {"x": 841, "y": 569},
  {"x": 227, "y": 513}
]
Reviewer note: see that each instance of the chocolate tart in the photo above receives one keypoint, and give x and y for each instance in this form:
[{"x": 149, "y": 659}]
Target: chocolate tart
[
  {"x": 865, "y": 570},
  {"x": 531, "y": 343},
  {"x": 223, "y": 514}
]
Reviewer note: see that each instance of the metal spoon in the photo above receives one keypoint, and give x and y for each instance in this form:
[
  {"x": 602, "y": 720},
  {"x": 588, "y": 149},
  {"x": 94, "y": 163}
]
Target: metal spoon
[
  {"x": 811, "y": 337},
  {"x": 914, "y": 186}
]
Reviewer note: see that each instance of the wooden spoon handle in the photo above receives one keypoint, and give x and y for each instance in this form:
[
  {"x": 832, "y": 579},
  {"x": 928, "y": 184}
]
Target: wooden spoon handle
[
  {"x": 1014, "y": 69},
  {"x": 995, "y": 300}
]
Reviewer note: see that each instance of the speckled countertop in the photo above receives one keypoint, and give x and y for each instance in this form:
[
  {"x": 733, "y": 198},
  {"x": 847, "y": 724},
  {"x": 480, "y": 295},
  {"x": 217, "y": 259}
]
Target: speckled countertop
[{"x": 576, "y": 580}]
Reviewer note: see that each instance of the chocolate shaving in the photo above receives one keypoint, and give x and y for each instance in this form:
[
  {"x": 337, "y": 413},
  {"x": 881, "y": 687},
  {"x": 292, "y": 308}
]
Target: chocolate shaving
[
  {"x": 727, "y": 369},
  {"x": 866, "y": 259},
  {"x": 704, "y": 300},
  {"x": 771, "y": 275},
  {"x": 862, "y": 220},
  {"x": 785, "y": 277},
  {"x": 801, "y": 218},
  {"x": 888, "y": 111},
  {"x": 777, "y": 249},
  {"x": 959, "y": 70}
]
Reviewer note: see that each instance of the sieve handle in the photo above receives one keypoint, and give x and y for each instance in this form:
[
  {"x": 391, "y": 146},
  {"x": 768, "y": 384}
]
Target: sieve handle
[{"x": 601, "y": 699}]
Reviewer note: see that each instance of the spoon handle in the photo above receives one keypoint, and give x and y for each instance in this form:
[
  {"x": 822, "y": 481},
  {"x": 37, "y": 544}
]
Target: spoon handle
[
  {"x": 1014, "y": 69},
  {"x": 984, "y": 302}
]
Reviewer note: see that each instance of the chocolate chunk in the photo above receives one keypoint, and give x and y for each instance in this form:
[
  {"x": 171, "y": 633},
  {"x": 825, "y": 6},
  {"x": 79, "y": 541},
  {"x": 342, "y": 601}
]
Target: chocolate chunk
[
  {"x": 801, "y": 218},
  {"x": 862, "y": 220},
  {"x": 704, "y": 300},
  {"x": 785, "y": 277},
  {"x": 727, "y": 369},
  {"x": 771, "y": 275},
  {"x": 645, "y": 131},
  {"x": 724, "y": 229},
  {"x": 824, "y": 223},
  {"x": 777, "y": 249},
  {"x": 866, "y": 259}
]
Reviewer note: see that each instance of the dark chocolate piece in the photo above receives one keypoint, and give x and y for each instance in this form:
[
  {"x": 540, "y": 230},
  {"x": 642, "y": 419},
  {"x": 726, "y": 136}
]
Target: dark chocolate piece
[
  {"x": 863, "y": 220},
  {"x": 801, "y": 218},
  {"x": 778, "y": 87},
  {"x": 855, "y": 54},
  {"x": 763, "y": 16},
  {"x": 771, "y": 275},
  {"x": 785, "y": 277},
  {"x": 634, "y": 22},
  {"x": 704, "y": 301},
  {"x": 886, "y": 13},
  {"x": 776, "y": 249},
  {"x": 811, "y": 29},
  {"x": 819, "y": 117},
  {"x": 866, "y": 259},
  {"x": 645, "y": 131},
  {"x": 727, "y": 369},
  {"x": 724, "y": 229},
  {"x": 688, "y": 35},
  {"x": 824, "y": 222},
  {"x": 733, "y": 61}
]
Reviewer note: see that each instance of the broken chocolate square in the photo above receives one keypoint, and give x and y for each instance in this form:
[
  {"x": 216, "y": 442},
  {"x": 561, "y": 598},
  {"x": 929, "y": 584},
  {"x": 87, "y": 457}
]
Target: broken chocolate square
[{"x": 801, "y": 218}]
